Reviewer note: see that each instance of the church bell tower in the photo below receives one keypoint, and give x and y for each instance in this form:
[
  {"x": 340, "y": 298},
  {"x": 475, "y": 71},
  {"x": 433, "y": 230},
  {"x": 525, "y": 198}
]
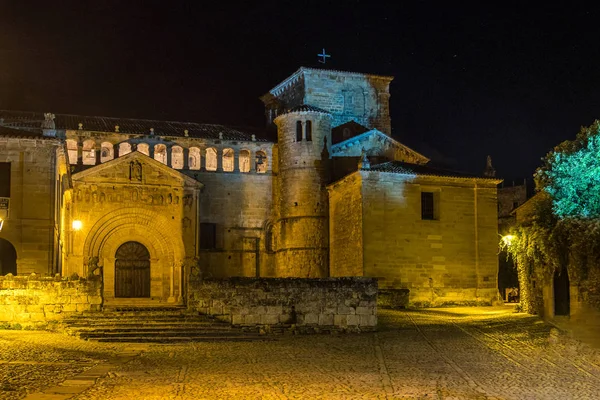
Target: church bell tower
[{"x": 304, "y": 140}]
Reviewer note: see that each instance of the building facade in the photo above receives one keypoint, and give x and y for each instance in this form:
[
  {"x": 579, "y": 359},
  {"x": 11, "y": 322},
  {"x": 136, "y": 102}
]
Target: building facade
[{"x": 149, "y": 204}]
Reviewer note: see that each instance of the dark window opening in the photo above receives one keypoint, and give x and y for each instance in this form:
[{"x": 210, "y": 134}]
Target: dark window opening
[
  {"x": 269, "y": 239},
  {"x": 208, "y": 235},
  {"x": 309, "y": 131},
  {"x": 427, "y": 206},
  {"x": 4, "y": 179},
  {"x": 298, "y": 131},
  {"x": 515, "y": 204}
]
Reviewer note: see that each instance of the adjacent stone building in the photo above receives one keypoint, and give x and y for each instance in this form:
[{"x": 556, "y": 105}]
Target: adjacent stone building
[{"x": 151, "y": 204}]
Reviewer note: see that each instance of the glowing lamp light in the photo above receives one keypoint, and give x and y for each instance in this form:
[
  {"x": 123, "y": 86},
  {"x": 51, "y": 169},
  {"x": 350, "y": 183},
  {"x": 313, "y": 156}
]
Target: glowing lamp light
[
  {"x": 507, "y": 240},
  {"x": 1, "y": 224},
  {"x": 77, "y": 225}
]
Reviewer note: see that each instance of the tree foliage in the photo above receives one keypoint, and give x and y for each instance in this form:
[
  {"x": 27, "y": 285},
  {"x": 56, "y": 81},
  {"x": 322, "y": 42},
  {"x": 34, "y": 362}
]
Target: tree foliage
[
  {"x": 571, "y": 175},
  {"x": 562, "y": 230}
]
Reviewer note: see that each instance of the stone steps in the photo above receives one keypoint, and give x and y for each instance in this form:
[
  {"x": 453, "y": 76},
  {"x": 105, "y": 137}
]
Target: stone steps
[{"x": 153, "y": 325}]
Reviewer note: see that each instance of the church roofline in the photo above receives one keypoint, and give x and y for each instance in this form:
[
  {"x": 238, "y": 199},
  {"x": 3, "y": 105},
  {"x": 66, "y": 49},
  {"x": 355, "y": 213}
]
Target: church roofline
[
  {"x": 304, "y": 109},
  {"x": 32, "y": 121},
  {"x": 402, "y": 168},
  {"x": 358, "y": 138},
  {"x": 279, "y": 88}
]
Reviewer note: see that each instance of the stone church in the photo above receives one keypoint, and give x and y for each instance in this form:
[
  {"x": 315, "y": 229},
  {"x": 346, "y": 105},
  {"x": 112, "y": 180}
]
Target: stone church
[{"x": 148, "y": 204}]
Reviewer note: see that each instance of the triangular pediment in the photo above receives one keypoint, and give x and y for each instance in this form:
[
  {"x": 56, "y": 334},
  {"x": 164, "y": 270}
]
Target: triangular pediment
[
  {"x": 135, "y": 168},
  {"x": 377, "y": 143}
]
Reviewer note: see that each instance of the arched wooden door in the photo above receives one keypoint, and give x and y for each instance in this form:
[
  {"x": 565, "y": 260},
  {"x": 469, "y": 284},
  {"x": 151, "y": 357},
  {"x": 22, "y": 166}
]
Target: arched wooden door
[{"x": 132, "y": 270}]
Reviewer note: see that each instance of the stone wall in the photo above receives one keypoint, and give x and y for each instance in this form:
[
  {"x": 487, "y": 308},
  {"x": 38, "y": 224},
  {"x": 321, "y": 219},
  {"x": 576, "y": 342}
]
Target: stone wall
[
  {"x": 451, "y": 259},
  {"x": 345, "y": 228},
  {"x": 35, "y": 301},
  {"x": 331, "y": 304},
  {"x": 30, "y": 222}
]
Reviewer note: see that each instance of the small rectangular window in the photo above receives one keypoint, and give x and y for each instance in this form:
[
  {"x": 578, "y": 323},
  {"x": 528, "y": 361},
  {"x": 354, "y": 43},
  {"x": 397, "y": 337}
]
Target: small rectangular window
[
  {"x": 208, "y": 235},
  {"x": 4, "y": 179},
  {"x": 427, "y": 206}
]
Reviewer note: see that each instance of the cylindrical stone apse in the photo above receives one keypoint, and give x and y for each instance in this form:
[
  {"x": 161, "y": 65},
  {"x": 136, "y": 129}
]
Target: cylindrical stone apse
[{"x": 304, "y": 140}]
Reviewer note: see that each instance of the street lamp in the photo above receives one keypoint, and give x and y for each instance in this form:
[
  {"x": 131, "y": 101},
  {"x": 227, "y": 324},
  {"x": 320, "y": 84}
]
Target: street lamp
[{"x": 507, "y": 239}]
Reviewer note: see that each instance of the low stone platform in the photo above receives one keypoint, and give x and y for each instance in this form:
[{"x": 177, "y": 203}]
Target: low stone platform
[{"x": 153, "y": 325}]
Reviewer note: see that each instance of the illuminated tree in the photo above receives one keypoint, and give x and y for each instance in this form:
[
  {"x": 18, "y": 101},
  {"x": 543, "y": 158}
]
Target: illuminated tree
[{"x": 571, "y": 175}]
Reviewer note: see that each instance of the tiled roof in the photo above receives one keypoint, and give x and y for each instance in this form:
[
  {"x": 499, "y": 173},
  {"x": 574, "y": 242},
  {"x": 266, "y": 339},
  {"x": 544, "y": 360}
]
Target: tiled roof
[
  {"x": 20, "y": 133},
  {"x": 306, "y": 108},
  {"x": 33, "y": 120},
  {"x": 416, "y": 169}
]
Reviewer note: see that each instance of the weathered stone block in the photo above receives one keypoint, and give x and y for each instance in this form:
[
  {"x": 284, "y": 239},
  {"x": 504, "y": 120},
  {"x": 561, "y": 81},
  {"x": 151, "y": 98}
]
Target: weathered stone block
[
  {"x": 216, "y": 310},
  {"x": 83, "y": 307},
  {"x": 277, "y": 310},
  {"x": 368, "y": 320},
  {"x": 345, "y": 310},
  {"x": 325, "y": 319},
  {"x": 352, "y": 320},
  {"x": 70, "y": 307},
  {"x": 237, "y": 319},
  {"x": 311, "y": 318},
  {"x": 252, "y": 319},
  {"x": 340, "y": 320},
  {"x": 269, "y": 319},
  {"x": 364, "y": 310}
]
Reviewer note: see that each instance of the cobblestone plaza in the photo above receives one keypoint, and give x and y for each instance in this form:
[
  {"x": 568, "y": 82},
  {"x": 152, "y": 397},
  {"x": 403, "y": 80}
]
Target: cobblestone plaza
[{"x": 452, "y": 353}]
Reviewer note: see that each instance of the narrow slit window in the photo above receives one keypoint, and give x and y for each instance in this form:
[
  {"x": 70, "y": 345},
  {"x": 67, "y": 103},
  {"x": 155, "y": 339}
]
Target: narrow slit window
[
  {"x": 298, "y": 131},
  {"x": 427, "y": 206},
  {"x": 309, "y": 131}
]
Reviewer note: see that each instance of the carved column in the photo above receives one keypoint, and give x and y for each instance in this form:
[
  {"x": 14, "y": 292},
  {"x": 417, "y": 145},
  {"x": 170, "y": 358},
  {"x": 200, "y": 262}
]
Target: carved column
[
  {"x": 151, "y": 151},
  {"x": 252, "y": 161},
  {"x": 236, "y": 161},
  {"x": 79, "y": 152},
  {"x": 116, "y": 150},
  {"x": 219, "y": 160},
  {"x": 98, "y": 153},
  {"x": 203, "y": 160},
  {"x": 170, "y": 156},
  {"x": 186, "y": 158}
]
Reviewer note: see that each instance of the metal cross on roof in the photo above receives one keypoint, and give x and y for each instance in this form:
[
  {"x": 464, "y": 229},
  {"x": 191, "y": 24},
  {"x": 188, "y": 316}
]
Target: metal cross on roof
[{"x": 324, "y": 55}]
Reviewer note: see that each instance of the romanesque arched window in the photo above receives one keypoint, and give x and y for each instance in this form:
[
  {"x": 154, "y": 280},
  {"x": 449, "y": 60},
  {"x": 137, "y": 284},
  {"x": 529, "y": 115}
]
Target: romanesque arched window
[
  {"x": 176, "y": 157},
  {"x": 244, "y": 161},
  {"x": 88, "y": 154},
  {"x": 143, "y": 148},
  {"x": 298, "y": 131},
  {"x": 194, "y": 158},
  {"x": 211, "y": 159},
  {"x": 261, "y": 162},
  {"x": 106, "y": 152},
  {"x": 308, "y": 125},
  {"x": 72, "y": 151},
  {"x": 124, "y": 148},
  {"x": 160, "y": 153},
  {"x": 228, "y": 160}
]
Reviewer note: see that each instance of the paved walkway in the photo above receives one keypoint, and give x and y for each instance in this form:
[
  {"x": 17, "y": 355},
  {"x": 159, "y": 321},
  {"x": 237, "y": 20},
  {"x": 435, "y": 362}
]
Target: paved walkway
[{"x": 457, "y": 353}]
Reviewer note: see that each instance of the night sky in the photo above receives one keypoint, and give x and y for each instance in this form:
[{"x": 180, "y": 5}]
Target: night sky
[{"x": 511, "y": 81}]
